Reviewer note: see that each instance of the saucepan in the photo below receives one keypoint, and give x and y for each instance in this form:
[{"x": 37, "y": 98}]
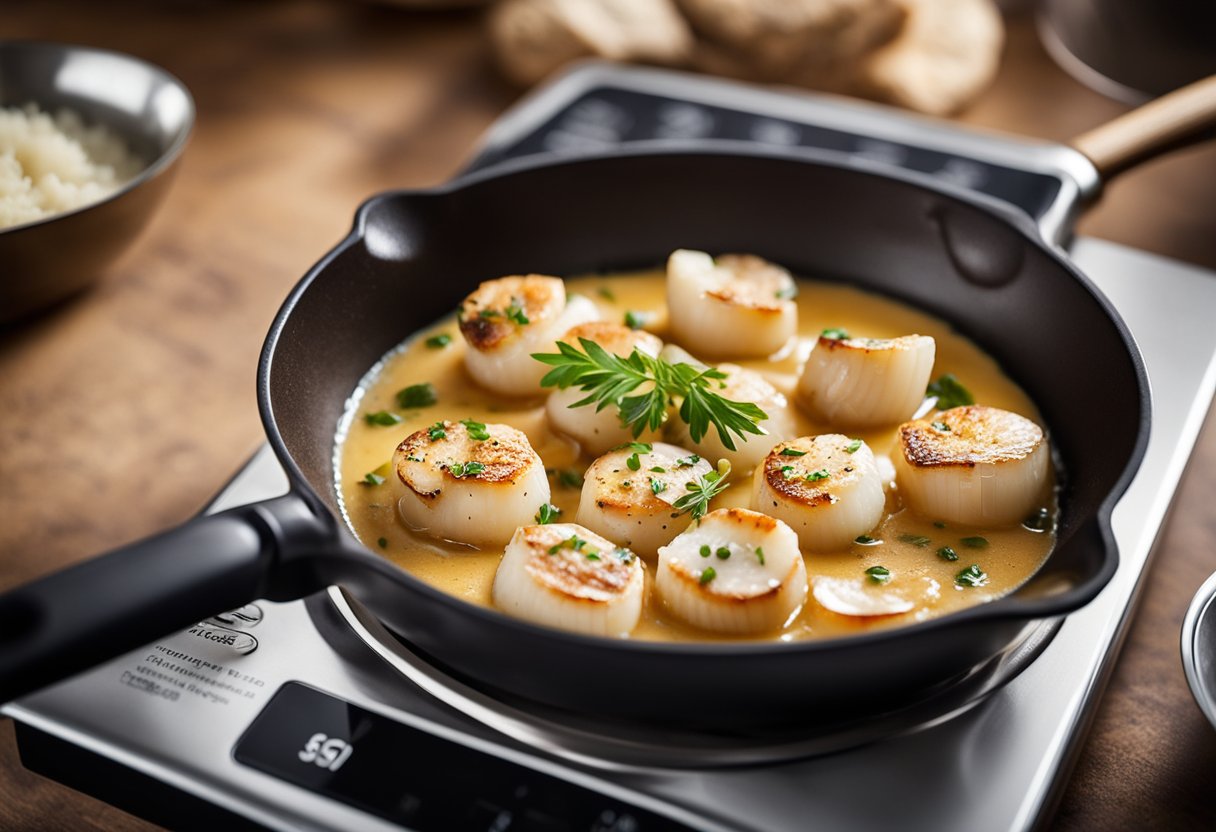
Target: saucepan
[{"x": 411, "y": 257}]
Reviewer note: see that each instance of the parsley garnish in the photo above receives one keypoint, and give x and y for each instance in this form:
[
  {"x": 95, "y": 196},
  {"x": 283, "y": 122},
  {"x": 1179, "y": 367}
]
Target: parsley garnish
[
  {"x": 722, "y": 553},
  {"x": 476, "y": 430},
  {"x": 917, "y": 540},
  {"x": 788, "y": 293},
  {"x": 657, "y": 486},
  {"x": 864, "y": 539},
  {"x": 658, "y": 469},
  {"x": 371, "y": 478},
  {"x": 706, "y": 551},
  {"x": 879, "y": 574},
  {"x": 384, "y": 418},
  {"x": 835, "y": 333},
  {"x": 417, "y": 395},
  {"x": 971, "y": 576},
  {"x": 946, "y": 553},
  {"x": 610, "y": 379},
  {"x": 547, "y": 514},
  {"x": 707, "y": 575},
  {"x": 688, "y": 461},
  {"x": 515, "y": 312},
  {"x": 633, "y": 463},
  {"x": 489, "y": 313},
  {"x": 702, "y": 490},
  {"x": 624, "y": 555},
  {"x": 465, "y": 469},
  {"x": 760, "y": 555},
  {"x": 787, "y": 471},
  {"x": 941, "y": 427},
  {"x": 436, "y": 432},
  {"x": 634, "y": 320},
  {"x": 792, "y": 452},
  {"x": 816, "y": 476},
  {"x": 950, "y": 392},
  {"x": 975, "y": 542},
  {"x": 438, "y": 342}
]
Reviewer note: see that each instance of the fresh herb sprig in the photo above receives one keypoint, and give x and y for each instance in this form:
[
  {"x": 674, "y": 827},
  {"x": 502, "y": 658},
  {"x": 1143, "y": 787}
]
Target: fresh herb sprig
[
  {"x": 611, "y": 380},
  {"x": 702, "y": 490}
]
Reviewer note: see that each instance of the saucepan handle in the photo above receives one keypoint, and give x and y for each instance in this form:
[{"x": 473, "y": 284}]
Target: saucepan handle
[
  {"x": 1181, "y": 117},
  {"x": 99, "y": 609}
]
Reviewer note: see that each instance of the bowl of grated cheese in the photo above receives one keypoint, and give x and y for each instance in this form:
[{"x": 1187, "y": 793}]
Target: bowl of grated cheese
[{"x": 89, "y": 139}]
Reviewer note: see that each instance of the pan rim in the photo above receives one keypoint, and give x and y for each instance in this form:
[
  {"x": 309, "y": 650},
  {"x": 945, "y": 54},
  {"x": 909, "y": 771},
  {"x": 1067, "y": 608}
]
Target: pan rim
[{"x": 1006, "y": 608}]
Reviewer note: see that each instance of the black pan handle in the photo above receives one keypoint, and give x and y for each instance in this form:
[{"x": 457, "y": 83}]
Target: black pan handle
[{"x": 84, "y": 615}]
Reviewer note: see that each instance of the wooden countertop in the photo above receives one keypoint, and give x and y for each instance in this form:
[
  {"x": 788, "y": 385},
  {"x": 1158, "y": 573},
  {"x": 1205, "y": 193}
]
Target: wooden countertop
[{"x": 122, "y": 412}]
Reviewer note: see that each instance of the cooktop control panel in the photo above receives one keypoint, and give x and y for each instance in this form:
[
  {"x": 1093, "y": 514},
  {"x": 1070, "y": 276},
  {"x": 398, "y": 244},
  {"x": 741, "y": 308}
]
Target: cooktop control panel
[
  {"x": 417, "y": 779},
  {"x": 597, "y": 110}
]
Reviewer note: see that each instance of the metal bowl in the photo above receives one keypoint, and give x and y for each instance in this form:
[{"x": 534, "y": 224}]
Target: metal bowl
[{"x": 50, "y": 259}]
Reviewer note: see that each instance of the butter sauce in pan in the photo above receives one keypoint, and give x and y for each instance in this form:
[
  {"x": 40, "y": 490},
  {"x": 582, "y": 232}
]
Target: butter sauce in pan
[{"x": 890, "y": 535}]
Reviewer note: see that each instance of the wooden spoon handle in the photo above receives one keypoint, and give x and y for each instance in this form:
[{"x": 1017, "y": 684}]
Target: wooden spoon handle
[{"x": 1163, "y": 124}]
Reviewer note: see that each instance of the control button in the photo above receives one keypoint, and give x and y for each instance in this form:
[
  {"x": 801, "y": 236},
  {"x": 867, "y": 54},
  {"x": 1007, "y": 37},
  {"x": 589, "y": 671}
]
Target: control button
[
  {"x": 249, "y": 615},
  {"x": 884, "y": 152},
  {"x": 776, "y": 132},
  {"x": 963, "y": 172},
  {"x": 589, "y": 126},
  {"x": 684, "y": 121},
  {"x": 236, "y": 641}
]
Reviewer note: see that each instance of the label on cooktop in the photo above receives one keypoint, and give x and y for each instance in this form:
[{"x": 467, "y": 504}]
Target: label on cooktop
[{"x": 415, "y": 778}]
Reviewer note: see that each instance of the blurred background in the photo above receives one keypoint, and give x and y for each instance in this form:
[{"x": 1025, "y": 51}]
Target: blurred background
[{"x": 136, "y": 398}]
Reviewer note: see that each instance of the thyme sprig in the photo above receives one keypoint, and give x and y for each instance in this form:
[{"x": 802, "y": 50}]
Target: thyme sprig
[
  {"x": 702, "y": 490},
  {"x": 612, "y": 380}
]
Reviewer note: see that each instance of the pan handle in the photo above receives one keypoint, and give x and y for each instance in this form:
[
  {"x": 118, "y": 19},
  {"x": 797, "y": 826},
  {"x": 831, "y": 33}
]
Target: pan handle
[
  {"x": 82, "y": 616},
  {"x": 1168, "y": 122}
]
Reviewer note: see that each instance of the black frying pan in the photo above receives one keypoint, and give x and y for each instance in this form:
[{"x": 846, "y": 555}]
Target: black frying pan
[{"x": 413, "y": 255}]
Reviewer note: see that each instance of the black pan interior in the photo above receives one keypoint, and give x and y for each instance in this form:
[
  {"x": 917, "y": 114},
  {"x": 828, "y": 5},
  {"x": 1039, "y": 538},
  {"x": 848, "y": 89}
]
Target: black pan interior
[{"x": 414, "y": 256}]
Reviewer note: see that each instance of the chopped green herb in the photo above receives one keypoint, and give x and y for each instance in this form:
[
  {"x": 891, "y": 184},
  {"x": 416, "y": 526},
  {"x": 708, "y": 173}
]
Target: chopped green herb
[
  {"x": 382, "y": 543},
  {"x": 702, "y": 490},
  {"x": 835, "y": 333},
  {"x": 853, "y": 447},
  {"x": 465, "y": 469},
  {"x": 384, "y": 418},
  {"x": 792, "y": 452},
  {"x": 489, "y": 313},
  {"x": 687, "y": 461},
  {"x": 816, "y": 476},
  {"x": 606, "y": 293},
  {"x": 635, "y": 320},
  {"x": 971, "y": 576},
  {"x": 547, "y": 514},
  {"x": 707, "y": 575},
  {"x": 610, "y": 379},
  {"x": 515, "y": 312},
  {"x": 946, "y": 553},
  {"x": 787, "y": 471},
  {"x": 658, "y": 469},
  {"x": 414, "y": 458},
  {"x": 760, "y": 555},
  {"x": 624, "y": 555},
  {"x": 949, "y": 392},
  {"x": 436, "y": 431},
  {"x": 574, "y": 542},
  {"x": 915, "y": 539},
  {"x": 417, "y": 395},
  {"x": 636, "y": 447},
  {"x": 633, "y": 463},
  {"x": 592, "y": 556},
  {"x": 941, "y": 427},
  {"x": 569, "y": 478},
  {"x": 863, "y": 539},
  {"x": 476, "y": 430},
  {"x": 788, "y": 293},
  {"x": 975, "y": 542},
  {"x": 1038, "y": 520},
  {"x": 438, "y": 342},
  {"x": 879, "y": 574},
  {"x": 657, "y": 486},
  {"x": 706, "y": 551},
  {"x": 372, "y": 478},
  {"x": 722, "y": 553}
]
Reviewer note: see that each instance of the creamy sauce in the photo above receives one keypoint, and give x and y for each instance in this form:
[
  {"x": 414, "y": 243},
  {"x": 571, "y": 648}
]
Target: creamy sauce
[{"x": 1012, "y": 555}]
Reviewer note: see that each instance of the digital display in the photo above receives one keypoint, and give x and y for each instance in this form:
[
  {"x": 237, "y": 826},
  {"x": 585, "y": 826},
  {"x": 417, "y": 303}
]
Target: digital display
[{"x": 415, "y": 778}]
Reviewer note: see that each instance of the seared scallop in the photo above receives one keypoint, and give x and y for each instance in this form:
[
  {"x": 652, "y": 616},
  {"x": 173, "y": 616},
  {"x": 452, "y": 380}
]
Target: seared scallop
[
  {"x": 598, "y": 430},
  {"x": 506, "y": 320},
  {"x": 629, "y": 494},
  {"x": 826, "y": 488},
  {"x": 865, "y": 382},
  {"x": 854, "y": 598},
  {"x": 737, "y": 305},
  {"x": 740, "y": 385},
  {"x": 469, "y": 482},
  {"x": 974, "y": 465},
  {"x": 566, "y": 576},
  {"x": 736, "y": 571}
]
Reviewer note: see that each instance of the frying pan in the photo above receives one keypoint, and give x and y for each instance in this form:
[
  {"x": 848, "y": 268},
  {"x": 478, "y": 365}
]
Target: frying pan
[{"x": 412, "y": 256}]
